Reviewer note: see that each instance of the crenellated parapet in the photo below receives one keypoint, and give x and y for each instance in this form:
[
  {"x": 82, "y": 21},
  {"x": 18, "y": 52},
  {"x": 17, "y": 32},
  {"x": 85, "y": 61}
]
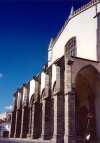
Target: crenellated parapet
[{"x": 85, "y": 7}]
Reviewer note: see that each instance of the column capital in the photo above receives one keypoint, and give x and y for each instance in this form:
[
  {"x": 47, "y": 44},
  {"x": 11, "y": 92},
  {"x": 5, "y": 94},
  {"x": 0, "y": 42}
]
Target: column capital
[
  {"x": 58, "y": 93},
  {"x": 24, "y": 85},
  {"x": 72, "y": 92},
  {"x": 69, "y": 60},
  {"x": 19, "y": 89},
  {"x": 35, "y": 78}
]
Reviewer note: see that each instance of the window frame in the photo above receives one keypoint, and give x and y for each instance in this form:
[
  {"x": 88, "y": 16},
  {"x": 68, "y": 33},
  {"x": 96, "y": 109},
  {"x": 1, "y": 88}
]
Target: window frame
[{"x": 71, "y": 47}]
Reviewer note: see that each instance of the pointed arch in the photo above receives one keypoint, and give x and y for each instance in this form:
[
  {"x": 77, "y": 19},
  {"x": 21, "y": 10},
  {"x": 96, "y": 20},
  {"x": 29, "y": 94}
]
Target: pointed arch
[
  {"x": 90, "y": 67},
  {"x": 42, "y": 95},
  {"x": 86, "y": 82},
  {"x": 32, "y": 100}
]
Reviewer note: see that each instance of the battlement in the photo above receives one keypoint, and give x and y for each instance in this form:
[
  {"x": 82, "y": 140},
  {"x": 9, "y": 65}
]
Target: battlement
[
  {"x": 78, "y": 11},
  {"x": 86, "y": 6}
]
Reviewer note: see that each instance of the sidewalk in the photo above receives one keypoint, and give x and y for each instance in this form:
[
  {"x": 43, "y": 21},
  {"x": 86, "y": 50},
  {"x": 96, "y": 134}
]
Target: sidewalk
[
  {"x": 31, "y": 140},
  {"x": 25, "y": 140}
]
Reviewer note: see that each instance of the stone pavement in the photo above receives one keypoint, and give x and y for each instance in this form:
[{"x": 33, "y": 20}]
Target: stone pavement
[{"x": 18, "y": 140}]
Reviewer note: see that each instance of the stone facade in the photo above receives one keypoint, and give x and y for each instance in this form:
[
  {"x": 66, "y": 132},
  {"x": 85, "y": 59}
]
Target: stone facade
[{"x": 54, "y": 104}]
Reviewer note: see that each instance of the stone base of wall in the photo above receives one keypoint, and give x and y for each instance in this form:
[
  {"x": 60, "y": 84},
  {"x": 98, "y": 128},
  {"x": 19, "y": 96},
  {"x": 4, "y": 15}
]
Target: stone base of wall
[
  {"x": 58, "y": 138},
  {"x": 35, "y": 136},
  {"x": 23, "y": 136},
  {"x": 16, "y": 135},
  {"x": 11, "y": 136},
  {"x": 69, "y": 139},
  {"x": 45, "y": 137}
]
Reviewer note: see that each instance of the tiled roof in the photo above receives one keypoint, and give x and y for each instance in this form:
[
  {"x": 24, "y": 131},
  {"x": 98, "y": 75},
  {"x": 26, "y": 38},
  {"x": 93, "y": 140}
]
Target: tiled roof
[{"x": 6, "y": 121}]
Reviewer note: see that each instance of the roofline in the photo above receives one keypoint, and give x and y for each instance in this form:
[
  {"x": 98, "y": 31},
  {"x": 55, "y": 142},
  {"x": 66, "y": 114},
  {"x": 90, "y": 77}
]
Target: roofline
[{"x": 75, "y": 13}]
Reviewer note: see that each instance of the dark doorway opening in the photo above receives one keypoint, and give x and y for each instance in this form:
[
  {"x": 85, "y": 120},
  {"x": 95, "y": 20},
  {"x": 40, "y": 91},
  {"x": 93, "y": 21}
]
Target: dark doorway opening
[{"x": 5, "y": 134}]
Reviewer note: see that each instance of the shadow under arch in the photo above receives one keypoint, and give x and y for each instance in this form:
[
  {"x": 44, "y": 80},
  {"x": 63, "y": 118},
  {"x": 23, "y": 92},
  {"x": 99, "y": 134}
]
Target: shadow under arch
[
  {"x": 86, "y": 84},
  {"x": 35, "y": 118},
  {"x": 31, "y": 100},
  {"x": 82, "y": 119},
  {"x": 52, "y": 109},
  {"x": 42, "y": 96},
  {"x": 53, "y": 90}
]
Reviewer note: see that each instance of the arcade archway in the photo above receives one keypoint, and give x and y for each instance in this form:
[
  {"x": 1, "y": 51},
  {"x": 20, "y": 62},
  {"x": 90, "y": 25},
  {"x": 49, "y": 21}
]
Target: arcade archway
[{"x": 87, "y": 99}]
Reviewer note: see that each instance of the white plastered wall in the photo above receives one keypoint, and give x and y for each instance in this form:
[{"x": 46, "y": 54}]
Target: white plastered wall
[
  {"x": 53, "y": 74},
  {"x": 23, "y": 92},
  {"x": 83, "y": 26},
  {"x": 98, "y": 8},
  {"x": 42, "y": 82},
  {"x": 32, "y": 88},
  {"x": 98, "y": 32},
  {"x": 5, "y": 127},
  {"x": 19, "y": 97}
]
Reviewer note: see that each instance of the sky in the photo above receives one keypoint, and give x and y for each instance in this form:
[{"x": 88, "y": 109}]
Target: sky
[{"x": 26, "y": 27}]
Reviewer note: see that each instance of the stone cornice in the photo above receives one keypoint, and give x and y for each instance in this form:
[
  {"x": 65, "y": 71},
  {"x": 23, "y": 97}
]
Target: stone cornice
[{"x": 24, "y": 85}]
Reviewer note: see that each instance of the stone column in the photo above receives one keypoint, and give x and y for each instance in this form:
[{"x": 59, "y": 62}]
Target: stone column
[
  {"x": 58, "y": 136},
  {"x": 69, "y": 136},
  {"x": 93, "y": 131},
  {"x": 35, "y": 126},
  {"x": 24, "y": 122},
  {"x": 13, "y": 119},
  {"x": 46, "y": 111},
  {"x": 18, "y": 124},
  {"x": 30, "y": 120},
  {"x": 18, "y": 115},
  {"x": 25, "y": 112},
  {"x": 52, "y": 118},
  {"x": 46, "y": 107}
]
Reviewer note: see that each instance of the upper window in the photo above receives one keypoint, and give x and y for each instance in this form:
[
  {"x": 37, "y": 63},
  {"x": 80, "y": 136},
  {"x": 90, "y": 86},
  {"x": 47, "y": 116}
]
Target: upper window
[{"x": 71, "y": 47}]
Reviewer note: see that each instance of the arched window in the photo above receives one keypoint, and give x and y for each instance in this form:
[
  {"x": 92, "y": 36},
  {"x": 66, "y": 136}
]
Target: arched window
[{"x": 71, "y": 47}]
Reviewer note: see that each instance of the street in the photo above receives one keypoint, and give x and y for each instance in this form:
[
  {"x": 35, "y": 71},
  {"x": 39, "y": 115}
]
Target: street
[{"x": 7, "y": 140}]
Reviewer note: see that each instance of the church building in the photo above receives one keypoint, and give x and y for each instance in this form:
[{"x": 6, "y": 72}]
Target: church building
[{"x": 54, "y": 104}]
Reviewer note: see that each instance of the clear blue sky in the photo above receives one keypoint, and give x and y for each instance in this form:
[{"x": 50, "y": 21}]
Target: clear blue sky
[{"x": 25, "y": 31}]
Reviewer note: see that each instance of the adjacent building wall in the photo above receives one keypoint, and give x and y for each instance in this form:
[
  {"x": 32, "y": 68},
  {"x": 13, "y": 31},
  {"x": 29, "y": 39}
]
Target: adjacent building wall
[{"x": 4, "y": 127}]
